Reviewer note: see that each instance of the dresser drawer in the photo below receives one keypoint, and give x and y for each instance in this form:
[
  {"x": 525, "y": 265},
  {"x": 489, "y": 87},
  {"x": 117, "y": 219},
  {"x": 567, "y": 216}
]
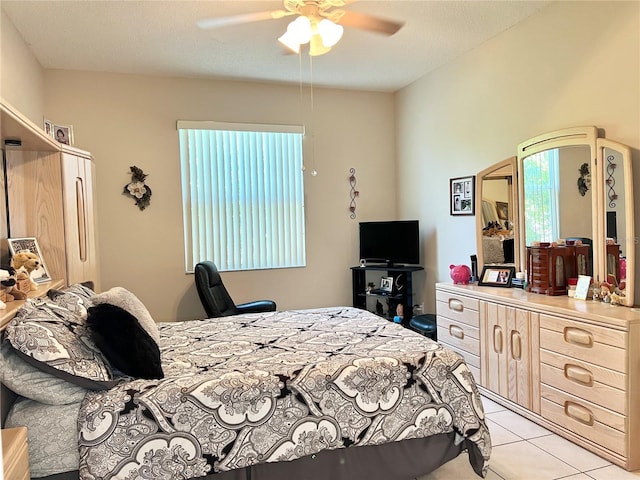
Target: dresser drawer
[
  {"x": 595, "y": 423},
  {"x": 459, "y": 335},
  {"x": 589, "y": 382},
  {"x": 593, "y": 344},
  {"x": 458, "y": 308}
]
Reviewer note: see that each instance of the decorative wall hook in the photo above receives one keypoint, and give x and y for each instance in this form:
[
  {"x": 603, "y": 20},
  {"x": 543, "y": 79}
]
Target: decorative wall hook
[
  {"x": 354, "y": 193},
  {"x": 611, "y": 181},
  {"x": 137, "y": 189}
]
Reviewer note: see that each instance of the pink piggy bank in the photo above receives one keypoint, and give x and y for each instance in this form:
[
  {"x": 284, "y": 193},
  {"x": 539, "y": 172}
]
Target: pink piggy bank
[{"x": 460, "y": 274}]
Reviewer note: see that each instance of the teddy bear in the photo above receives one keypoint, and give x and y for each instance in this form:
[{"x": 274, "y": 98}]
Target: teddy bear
[{"x": 27, "y": 262}]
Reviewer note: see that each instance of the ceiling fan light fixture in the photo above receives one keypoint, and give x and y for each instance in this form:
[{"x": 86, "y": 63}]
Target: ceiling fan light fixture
[
  {"x": 300, "y": 29},
  {"x": 317, "y": 47},
  {"x": 330, "y": 32},
  {"x": 290, "y": 42}
]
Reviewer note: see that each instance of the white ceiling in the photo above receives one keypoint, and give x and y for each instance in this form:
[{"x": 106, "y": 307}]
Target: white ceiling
[{"x": 162, "y": 38}]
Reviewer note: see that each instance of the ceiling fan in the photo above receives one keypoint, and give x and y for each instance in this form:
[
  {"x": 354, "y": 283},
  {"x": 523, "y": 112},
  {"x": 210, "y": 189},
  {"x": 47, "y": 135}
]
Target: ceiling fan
[{"x": 318, "y": 23}]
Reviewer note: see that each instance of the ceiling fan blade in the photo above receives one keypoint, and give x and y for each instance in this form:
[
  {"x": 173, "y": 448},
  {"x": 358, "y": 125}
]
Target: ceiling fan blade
[
  {"x": 218, "y": 22},
  {"x": 363, "y": 21}
]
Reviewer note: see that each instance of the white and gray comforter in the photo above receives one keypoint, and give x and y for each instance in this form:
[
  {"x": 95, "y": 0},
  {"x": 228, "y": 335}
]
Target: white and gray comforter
[{"x": 278, "y": 386}]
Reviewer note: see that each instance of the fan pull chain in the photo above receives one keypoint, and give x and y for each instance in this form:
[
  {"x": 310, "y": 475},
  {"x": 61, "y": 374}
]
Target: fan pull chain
[
  {"x": 314, "y": 172},
  {"x": 300, "y": 101}
]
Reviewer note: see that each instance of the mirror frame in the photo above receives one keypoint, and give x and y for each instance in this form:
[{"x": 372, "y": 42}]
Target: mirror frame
[
  {"x": 629, "y": 243},
  {"x": 587, "y": 136},
  {"x": 567, "y": 137},
  {"x": 503, "y": 169}
]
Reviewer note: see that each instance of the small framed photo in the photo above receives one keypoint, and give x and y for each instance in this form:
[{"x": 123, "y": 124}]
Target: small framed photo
[
  {"x": 497, "y": 276},
  {"x": 462, "y": 193},
  {"x": 63, "y": 134},
  {"x": 582, "y": 288},
  {"x": 41, "y": 274},
  {"x": 386, "y": 284},
  {"x": 48, "y": 128}
]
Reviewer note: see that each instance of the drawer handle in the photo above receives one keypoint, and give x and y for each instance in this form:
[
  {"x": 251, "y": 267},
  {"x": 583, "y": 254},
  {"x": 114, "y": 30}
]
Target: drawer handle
[
  {"x": 497, "y": 339},
  {"x": 456, "y": 331},
  {"x": 516, "y": 345},
  {"x": 578, "y": 374},
  {"x": 579, "y": 413},
  {"x": 577, "y": 336},
  {"x": 456, "y": 305}
]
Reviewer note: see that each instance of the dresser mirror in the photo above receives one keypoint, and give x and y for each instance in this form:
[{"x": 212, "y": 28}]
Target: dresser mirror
[
  {"x": 570, "y": 185},
  {"x": 618, "y": 213},
  {"x": 496, "y": 220}
]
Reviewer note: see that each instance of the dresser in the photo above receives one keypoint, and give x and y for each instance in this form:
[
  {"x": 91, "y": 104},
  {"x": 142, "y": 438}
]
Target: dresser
[
  {"x": 572, "y": 366},
  {"x": 15, "y": 454}
]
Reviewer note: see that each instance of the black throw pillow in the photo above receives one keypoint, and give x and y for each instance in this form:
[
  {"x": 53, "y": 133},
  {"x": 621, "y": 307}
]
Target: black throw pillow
[{"x": 125, "y": 344}]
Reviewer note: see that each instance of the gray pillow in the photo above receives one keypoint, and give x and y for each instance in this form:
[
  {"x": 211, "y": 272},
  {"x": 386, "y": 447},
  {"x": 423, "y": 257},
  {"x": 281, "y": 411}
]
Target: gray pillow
[
  {"x": 56, "y": 341},
  {"x": 30, "y": 382},
  {"x": 52, "y": 432},
  {"x": 123, "y": 298}
]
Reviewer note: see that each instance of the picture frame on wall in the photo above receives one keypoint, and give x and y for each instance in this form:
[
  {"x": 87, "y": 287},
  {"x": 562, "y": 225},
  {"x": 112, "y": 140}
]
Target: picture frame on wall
[
  {"x": 63, "y": 134},
  {"x": 39, "y": 275},
  {"x": 502, "y": 208},
  {"x": 497, "y": 276},
  {"x": 462, "y": 195}
]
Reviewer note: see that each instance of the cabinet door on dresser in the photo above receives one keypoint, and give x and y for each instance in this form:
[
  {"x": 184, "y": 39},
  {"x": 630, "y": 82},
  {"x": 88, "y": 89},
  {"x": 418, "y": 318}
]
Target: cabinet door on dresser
[
  {"x": 509, "y": 346},
  {"x": 78, "y": 174},
  {"x": 459, "y": 327}
]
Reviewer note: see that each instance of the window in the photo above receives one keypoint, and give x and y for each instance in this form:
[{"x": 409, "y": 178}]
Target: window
[
  {"x": 242, "y": 195},
  {"x": 541, "y": 192}
]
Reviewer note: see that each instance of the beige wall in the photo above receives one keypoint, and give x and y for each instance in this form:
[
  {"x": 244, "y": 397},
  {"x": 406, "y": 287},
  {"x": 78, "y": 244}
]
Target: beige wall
[
  {"x": 574, "y": 63},
  {"x": 21, "y": 76},
  {"x": 129, "y": 120}
]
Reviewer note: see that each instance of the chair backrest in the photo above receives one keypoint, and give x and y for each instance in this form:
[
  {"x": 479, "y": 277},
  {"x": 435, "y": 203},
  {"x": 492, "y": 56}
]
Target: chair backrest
[{"x": 214, "y": 296}]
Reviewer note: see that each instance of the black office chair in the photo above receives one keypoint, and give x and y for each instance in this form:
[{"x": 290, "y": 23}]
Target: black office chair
[{"x": 216, "y": 299}]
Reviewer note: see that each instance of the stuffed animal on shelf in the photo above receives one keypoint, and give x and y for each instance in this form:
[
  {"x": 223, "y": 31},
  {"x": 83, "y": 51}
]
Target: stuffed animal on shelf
[
  {"x": 26, "y": 261},
  {"x": 9, "y": 282}
]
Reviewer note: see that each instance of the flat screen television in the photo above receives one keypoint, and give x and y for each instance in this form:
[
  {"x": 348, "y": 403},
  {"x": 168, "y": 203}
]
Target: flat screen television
[{"x": 392, "y": 242}]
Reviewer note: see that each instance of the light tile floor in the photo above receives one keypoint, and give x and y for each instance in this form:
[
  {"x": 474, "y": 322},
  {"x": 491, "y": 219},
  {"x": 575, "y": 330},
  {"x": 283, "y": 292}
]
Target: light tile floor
[{"x": 522, "y": 450}]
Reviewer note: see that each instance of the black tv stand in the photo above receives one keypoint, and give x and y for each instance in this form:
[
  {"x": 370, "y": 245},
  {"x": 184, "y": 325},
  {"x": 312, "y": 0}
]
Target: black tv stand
[{"x": 401, "y": 293}]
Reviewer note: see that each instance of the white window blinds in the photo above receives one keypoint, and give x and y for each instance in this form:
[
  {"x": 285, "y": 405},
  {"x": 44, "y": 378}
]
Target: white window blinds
[
  {"x": 242, "y": 195},
  {"x": 541, "y": 191}
]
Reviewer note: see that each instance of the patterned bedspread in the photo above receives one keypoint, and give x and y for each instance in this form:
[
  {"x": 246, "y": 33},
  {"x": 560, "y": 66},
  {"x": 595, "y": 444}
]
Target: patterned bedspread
[{"x": 278, "y": 386}]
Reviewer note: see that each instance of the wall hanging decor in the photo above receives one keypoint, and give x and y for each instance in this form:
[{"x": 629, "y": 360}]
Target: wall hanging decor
[
  {"x": 354, "y": 193},
  {"x": 137, "y": 189},
  {"x": 462, "y": 194},
  {"x": 584, "y": 180},
  {"x": 611, "y": 181}
]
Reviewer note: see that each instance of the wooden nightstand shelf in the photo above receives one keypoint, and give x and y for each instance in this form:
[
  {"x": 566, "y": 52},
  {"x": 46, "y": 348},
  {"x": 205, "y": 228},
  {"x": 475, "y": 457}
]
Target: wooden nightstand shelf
[{"x": 15, "y": 453}]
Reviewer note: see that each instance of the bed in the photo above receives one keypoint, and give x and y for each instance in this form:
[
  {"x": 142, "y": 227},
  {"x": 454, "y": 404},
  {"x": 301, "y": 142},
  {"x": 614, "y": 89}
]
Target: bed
[{"x": 320, "y": 393}]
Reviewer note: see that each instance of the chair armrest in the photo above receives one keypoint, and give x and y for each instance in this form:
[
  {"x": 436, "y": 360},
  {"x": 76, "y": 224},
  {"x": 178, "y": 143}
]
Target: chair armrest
[{"x": 257, "y": 306}]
